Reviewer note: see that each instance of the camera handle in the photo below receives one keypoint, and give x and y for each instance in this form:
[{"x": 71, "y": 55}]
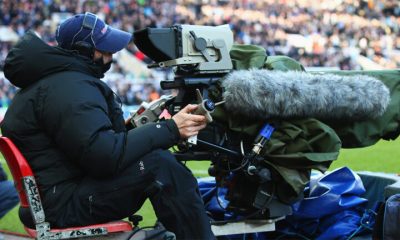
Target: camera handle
[
  {"x": 150, "y": 112},
  {"x": 204, "y": 107}
]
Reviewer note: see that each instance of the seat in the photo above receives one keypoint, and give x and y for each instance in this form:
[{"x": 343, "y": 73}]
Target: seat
[{"x": 28, "y": 191}]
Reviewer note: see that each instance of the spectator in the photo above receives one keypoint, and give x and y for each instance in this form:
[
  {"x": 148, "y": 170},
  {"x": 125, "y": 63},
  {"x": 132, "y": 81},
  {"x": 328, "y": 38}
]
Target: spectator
[
  {"x": 153, "y": 94},
  {"x": 333, "y": 31}
]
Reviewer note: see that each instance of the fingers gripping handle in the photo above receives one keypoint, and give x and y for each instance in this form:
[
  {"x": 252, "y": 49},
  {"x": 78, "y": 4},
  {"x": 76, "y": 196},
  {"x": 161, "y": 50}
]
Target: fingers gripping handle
[{"x": 205, "y": 107}]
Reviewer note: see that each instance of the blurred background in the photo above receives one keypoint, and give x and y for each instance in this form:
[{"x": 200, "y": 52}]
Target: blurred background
[
  {"x": 329, "y": 34},
  {"x": 322, "y": 35}
]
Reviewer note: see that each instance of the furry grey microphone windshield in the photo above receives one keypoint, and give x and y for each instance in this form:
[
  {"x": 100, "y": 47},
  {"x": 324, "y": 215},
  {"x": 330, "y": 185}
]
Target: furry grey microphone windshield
[{"x": 267, "y": 94}]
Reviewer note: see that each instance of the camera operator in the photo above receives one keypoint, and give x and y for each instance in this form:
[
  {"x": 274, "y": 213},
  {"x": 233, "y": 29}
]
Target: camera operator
[{"x": 69, "y": 126}]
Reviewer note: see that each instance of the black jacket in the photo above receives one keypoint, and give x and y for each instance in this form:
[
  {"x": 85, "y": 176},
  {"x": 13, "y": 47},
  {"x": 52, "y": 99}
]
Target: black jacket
[{"x": 67, "y": 122}]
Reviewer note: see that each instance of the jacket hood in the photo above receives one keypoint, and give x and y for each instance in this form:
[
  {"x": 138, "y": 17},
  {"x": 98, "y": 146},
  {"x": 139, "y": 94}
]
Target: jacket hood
[{"x": 31, "y": 59}]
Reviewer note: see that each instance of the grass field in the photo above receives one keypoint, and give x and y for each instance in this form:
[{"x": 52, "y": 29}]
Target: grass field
[{"x": 382, "y": 157}]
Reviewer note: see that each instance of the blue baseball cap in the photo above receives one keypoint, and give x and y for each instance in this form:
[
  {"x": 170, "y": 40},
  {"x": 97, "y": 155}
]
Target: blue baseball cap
[{"x": 89, "y": 28}]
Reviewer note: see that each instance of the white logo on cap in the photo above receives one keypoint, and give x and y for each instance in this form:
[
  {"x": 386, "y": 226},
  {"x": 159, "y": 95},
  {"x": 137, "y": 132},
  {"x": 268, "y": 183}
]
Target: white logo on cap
[{"x": 104, "y": 30}]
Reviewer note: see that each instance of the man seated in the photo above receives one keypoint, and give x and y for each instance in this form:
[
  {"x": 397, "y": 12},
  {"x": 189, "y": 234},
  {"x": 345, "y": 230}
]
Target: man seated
[{"x": 69, "y": 126}]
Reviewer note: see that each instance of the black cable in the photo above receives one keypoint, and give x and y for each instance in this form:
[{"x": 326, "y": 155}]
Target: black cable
[{"x": 245, "y": 161}]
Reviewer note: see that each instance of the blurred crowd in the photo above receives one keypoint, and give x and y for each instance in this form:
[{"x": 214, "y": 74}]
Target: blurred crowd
[{"x": 326, "y": 33}]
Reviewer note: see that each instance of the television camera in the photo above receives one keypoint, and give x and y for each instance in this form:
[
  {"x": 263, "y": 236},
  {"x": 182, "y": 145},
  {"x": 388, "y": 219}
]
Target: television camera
[{"x": 199, "y": 56}]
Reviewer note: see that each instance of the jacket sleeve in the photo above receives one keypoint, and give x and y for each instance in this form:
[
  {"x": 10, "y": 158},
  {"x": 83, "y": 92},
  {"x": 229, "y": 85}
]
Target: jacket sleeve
[{"x": 75, "y": 115}]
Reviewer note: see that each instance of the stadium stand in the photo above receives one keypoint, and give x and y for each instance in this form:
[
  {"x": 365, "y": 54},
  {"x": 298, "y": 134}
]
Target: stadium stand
[{"x": 342, "y": 34}]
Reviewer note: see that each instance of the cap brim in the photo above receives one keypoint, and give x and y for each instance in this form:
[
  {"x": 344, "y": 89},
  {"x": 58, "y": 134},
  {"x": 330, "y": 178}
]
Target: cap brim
[{"x": 114, "y": 41}]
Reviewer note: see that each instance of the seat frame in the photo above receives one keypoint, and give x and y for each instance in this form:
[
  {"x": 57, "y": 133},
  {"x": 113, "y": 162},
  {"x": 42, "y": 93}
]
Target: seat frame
[{"x": 29, "y": 195}]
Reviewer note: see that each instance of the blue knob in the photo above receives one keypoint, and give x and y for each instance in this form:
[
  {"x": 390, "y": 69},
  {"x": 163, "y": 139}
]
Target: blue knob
[{"x": 209, "y": 105}]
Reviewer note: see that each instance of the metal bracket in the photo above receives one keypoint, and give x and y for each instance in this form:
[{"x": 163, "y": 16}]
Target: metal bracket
[{"x": 248, "y": 226}]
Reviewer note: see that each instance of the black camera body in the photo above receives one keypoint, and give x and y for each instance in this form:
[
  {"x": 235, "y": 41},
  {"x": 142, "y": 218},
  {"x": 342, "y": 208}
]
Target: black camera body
[{"x": 200, "y": 58}]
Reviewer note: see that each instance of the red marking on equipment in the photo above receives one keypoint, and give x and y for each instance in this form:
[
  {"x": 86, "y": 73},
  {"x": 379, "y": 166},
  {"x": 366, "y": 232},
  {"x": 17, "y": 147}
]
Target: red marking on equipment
[{"x": 141, "y": 110}]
